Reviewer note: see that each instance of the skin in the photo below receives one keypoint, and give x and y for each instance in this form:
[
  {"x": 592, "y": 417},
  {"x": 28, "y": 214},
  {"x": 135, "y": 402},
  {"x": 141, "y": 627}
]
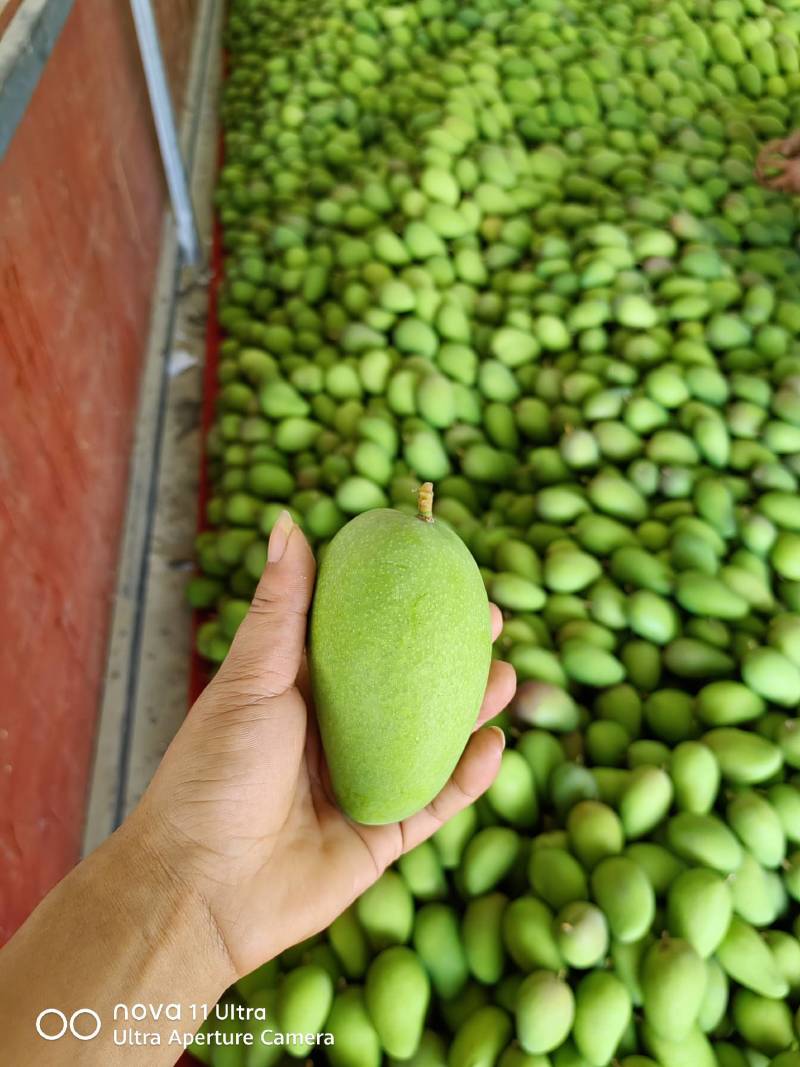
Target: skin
[
  {"x": 778, "y": 167},
  {"x": 236, "y": 851}
]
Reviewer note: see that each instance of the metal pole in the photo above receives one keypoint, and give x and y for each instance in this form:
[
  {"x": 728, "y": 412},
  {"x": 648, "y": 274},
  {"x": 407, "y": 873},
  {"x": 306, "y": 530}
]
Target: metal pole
[{"x": 164, "y": 118}]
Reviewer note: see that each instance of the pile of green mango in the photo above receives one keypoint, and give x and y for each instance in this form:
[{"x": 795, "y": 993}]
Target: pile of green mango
[{"x": 515, "y": 247}]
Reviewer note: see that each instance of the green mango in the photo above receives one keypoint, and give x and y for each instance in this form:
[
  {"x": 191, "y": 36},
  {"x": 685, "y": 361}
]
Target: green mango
[
  {"x": 764, "y": 1023},
  {"x": 785, "y": 950},
  {"x": 437, "y": 941},
  {"x": 385, "y": 911},
  {"x": 263, "y": 977},
  {"x": 673, "y": 983},
  {"x": 715, "y": 998},
  {"x": 744, "y": 758},
  {"x": 728, "y": 703},
  {"x": 581, "y": 934},
  {"x": 660, "y": 866},
  {"x": 545, "y": 1012},
  {"x": 748, "y": 961},
  {"x": 481, "y": 1038},
  {"x": 513, "y": 792},
  {"x": 699, "y": 909},
  {"x": 622, "y": 889},
  {"x": 488, "y": 858},
  {"x": 543, "y": 753},
  {"x": 451, "y": 839},
  {"x": 627, "y": 964},
  {"x": 515, "y": 1057},
  {"x": 704, "y": 840},
  {"x": 396, "y": 993},
  {"x": 482, "y": 936},
  {"x": 305, "y": 996},
  {"x": 391, "y": 745},
  {"x": 595, "y": 831},
  {"x": 602, "y": 1013},
  {"x": 556, "y": 876},
  {"x": 422, "y": 872},
  {"x": 758, "y": 826},
  {"x": 349, "y": 942},
  {"x": 355, "y": 1040},
  {"x": 691, "y": 1050},
  {"x": 773, "y": 676},
  {"x": 785, "y": 799},
  {"x": 645, "y": 801},
  {"x": 431, "y": 1052},
  {"x": 456, "y": 1011},
  {"x": 695, "y": 776},
  {"x": 529, "y": 934}
]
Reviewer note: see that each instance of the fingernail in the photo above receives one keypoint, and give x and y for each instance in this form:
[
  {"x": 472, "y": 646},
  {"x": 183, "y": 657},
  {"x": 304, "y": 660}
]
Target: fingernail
[
  {"x": 500, "y": 734},
  {"x": 279, "y": 538}
]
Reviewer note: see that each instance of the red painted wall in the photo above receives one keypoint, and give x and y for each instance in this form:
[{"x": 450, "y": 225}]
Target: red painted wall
[{"x": 81, "y": 201}]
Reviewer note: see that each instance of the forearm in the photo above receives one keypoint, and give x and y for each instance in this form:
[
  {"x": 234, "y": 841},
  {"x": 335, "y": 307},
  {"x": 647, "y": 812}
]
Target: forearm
[{"x": 118, "y": 931}]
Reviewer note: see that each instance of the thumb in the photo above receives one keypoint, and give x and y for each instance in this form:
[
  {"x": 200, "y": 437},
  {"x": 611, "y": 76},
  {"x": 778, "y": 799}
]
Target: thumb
[{"x": 266, "y": 653}]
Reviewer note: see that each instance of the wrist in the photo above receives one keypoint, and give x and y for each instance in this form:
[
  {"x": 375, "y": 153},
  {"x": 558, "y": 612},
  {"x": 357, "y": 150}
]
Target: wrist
[{"x": 166, "y": 903}]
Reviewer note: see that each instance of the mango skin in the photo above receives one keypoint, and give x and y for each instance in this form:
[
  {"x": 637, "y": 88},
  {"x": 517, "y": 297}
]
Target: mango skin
[{"x": 399, "y": 654}]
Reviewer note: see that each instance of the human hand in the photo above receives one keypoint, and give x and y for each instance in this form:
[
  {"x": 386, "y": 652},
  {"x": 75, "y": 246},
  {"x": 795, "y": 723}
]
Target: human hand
[
  {"x": 241, "y": 808},
  {"x": 778, "y": 165}
]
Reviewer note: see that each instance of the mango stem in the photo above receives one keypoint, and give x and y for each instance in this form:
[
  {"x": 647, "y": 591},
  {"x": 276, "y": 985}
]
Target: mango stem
[{"x": 425, "y": 502}]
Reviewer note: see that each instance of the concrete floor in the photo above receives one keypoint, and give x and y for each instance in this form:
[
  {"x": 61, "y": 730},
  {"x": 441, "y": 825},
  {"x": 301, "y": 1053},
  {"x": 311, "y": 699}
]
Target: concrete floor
[{"x": 147, "y": 676}]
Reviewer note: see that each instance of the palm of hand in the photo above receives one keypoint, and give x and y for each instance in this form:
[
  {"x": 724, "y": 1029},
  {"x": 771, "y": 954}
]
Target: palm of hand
[{"x": 244, "y": 796}]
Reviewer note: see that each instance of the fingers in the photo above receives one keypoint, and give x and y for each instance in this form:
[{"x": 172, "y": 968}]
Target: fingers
[
  {"x": 268, "y": 648},
  {"x": 475, "y": 772},
  {"x": 497, "y": 621},
  {"x": 500, "y": 688}
]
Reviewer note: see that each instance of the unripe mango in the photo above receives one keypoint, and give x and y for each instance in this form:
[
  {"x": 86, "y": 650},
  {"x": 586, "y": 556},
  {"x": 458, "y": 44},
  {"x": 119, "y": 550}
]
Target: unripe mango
[
  {"x": 482, "y": 933},
  {"x": 691, "y": 1050},
  {"x": 386, "y": 911},
  {"x": 431, "y": 1052},
  {"x": 513, "y": 792},
  {"x": 695, "y": 776},
  {"x": 764, "y": 1023},
  {"x": 529, "y": 935},
  {"x": 715, "y": 998},
  {"x": 480, "y": 1039},
  {"x": 349, "y": 942},
  {"x": 748, "y": 961},
  {"x": 304, "y": 1000},
  {"x": 581, "y": 933},
  {"x": 645, "y": 801},
  {"x": 396, "y": 993},
  {"x": 758, "y": 827},
  {"x": 556, "y": 876},
  {"x": 602, "y": 1013},
  {"x": 595, "y": 832},
  {"x": 545, "y": 1012},
  {"x": 438, "y": 944},
  {"x": 623, "y": 891},
  {"x": 673, "y": 982},
  {"x": 399, "y": 656},
  {"x": 488, "y": 858},
  {"x": 355, "y": 1040},
  {"x": 422, "y": 872},
  {"x": 451, "y": 839},
  {"x": 699, "y": 909}
]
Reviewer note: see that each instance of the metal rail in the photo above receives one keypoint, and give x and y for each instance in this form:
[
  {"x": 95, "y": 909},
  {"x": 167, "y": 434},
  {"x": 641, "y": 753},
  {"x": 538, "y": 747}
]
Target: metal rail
[
  {"x": 166, "y": 130},
  {"x": 25, "y": 48}
]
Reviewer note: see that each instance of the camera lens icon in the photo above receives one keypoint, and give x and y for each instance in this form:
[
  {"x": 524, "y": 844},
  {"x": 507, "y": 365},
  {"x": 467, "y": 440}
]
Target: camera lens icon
[{"x": 52, "y": 1024}]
